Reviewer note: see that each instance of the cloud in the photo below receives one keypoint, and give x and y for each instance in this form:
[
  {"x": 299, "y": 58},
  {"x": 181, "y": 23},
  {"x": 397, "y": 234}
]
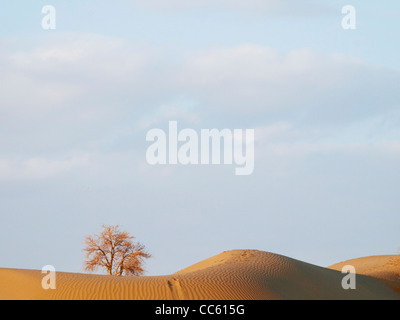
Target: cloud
[
  {"x": 367, "y": 137},
  {"x": 90, "y": 93},
  {"x": 71, "y": 66},
  {"x": 70, "y": 91},
  {"x": 181, "y": 110},
  {"x": 40, "y": 168},
  {"x": 301, "y": 83},
  {"x": 269, "y": 7}
]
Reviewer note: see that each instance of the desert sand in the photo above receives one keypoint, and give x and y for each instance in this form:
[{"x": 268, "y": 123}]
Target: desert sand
[
  {"x": 231, "y": 275},
  {"x": 385, "y": 268}
]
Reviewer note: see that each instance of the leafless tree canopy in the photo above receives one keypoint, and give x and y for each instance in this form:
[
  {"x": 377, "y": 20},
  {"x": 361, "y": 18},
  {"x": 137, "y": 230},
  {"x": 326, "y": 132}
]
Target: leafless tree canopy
[{"x": 115, "y": 251}]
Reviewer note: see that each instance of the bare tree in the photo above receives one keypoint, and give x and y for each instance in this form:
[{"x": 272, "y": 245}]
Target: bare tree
[{"x": 115, "y": 251}]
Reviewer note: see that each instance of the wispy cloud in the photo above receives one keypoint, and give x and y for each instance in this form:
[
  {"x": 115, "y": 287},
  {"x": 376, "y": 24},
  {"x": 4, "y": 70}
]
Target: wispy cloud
[
  {"x": 301, "y": 83},
  {"x": 40, "y": 168},
  {"x": 75, "y": 95},
  {"x": 269, "y": 7}
]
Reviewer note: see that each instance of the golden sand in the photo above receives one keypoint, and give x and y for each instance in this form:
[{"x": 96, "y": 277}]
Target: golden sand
[{"x": 231, "y": 275}]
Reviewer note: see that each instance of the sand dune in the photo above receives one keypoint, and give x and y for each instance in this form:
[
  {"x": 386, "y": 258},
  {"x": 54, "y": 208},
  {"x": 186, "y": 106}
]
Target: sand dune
[
  {"x": 386, "y": 268},
  {"x": 235, "y": 275}
]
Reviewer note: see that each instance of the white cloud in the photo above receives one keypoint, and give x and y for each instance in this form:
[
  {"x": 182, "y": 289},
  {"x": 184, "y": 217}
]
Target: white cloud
[
  {"x": 277, "y": 131},
  {"x": 87, "y": 91},
  {"x": 181, "y": 110},
  {"x": 40, "y": 168},
  {"x": 91, "y": 77},
  {"x": 270, "y": 7},
  {"x": 301, "y": 83},
  {"x": 62, "y": 70},
  {"x": 71, "y": 90},
  {"x": 367, "y": 137},
  {"x": 291, "y": 150}
]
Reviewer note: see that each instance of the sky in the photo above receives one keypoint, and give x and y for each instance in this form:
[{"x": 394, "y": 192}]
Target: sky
[{"x": 77, "y": 101}]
